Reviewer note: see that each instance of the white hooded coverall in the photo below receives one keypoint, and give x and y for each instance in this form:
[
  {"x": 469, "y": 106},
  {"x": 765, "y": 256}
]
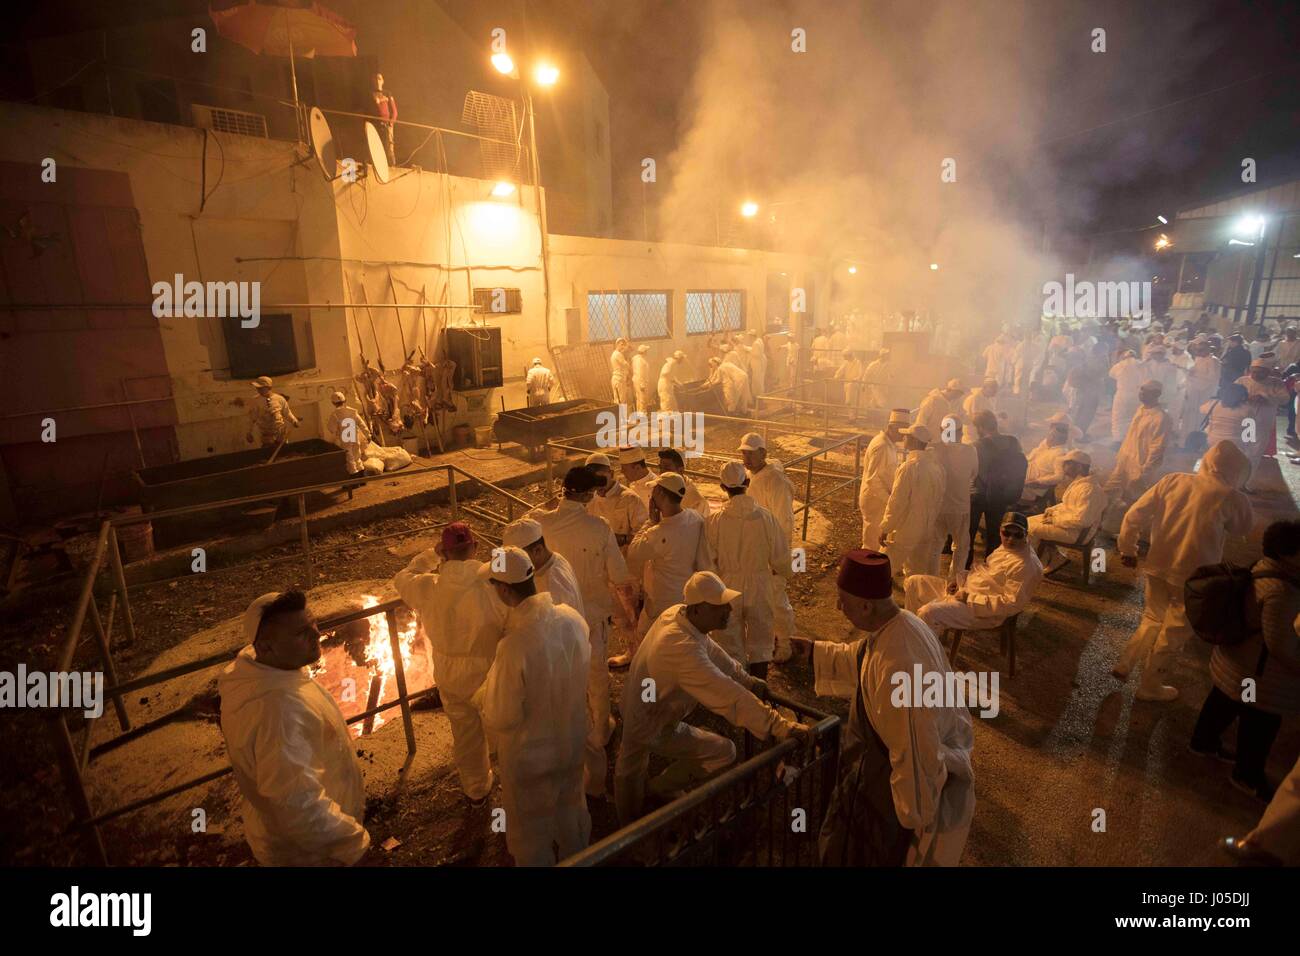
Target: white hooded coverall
[
  {"x": 668, "y": 379},
  {"x": 641, "y": 382},
  {"x": 295, "y": 763},
  {"x": 878, "y": 470},
  {"x": 912, "y": 515},
  {"x": 675, "y": 669},
  {"x": 355, "y": 449},
  {"x": 750, "y": 553},
  {"x": 620, "y": 379},
  {"x": 995, "y": 590},
  {"x": 668, "y": 553},
  {"x": 1141, "y": 455},
  {"x": 758, "y": 367},
  {"x": 463, "y": 621},
  {"x": 961, "y": 463},
  {"x": 588, "y": 544},
  {"x": 1188, "y": 519},
  {"x": 929, "y": 747},
  {"x": 535, "y": 707},
  {"x": 538, "y": 383},
  {"x": 1129, "y": 375},
  {"x": 771, "y": 489}
]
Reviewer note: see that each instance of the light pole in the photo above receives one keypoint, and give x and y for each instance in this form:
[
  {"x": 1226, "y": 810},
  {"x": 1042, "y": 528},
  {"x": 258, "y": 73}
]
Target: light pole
[{"x": 546, "y": 75}]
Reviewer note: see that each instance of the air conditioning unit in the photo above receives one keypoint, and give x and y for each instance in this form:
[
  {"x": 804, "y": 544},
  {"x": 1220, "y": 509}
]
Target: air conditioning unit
[{"x": 228, "y": 121}]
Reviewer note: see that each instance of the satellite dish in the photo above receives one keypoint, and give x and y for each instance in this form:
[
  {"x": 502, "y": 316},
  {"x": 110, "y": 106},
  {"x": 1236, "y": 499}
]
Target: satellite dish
[
  {"x": 378, "y": 152},
  {"x": 322, "y": 144}
]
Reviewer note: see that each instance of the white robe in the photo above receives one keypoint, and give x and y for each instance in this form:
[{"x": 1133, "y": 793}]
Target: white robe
[
  {"x": 749, "y": 551},
  {"x": 1141, "y": 455},
  {"x": 669, "y": 553},
  {"x": 1000, "y": 587},
  {"x": 1129, "y": 375},
  {"x": 879, "y": 467},
  {"x": 912, "y": 514},
  {"x": 929, "y": 747}
]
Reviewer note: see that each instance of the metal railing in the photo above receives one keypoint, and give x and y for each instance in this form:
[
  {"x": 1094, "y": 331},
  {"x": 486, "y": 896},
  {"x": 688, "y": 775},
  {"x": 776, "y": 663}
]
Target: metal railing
[
  {"x": 74, "y": 760},
  {"x": 747, "y": 814}
]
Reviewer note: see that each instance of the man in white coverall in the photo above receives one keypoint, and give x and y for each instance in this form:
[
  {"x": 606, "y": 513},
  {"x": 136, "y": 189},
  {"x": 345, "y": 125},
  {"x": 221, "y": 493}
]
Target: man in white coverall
[
  {"x": 623, "y": 510},
  {"x": 1129, "y": 374},
  {"x": 552, "y": 572},
  {"x": 918, "y": 757},
  {"x": 538, "y": 383},
  {"x": 1080, "y": 509},
  {"x": 771, "y": 489},
  {"x": 588, "y": 544},
  {"x": 668, "y": 549},
  {"x": 670, "y": 459},
  {"x": 346, "y": 428},
  {"x": 642, "y": 387},
  {"x": 463, "y": 623},
  {"x": 620, "y": 375},
  {"x": 749, "y": 550},
  {"x": 939, "y": 404},
  {"x": 961, "y": 463},
  {"x": 879, "y": 466},
  {"x": 676, "y": 668},
  {"x": 1143, "y": 451},
  {"x": 670, "y": 376},
  {"x": 534, "y": 704},
  {"x": 1188, "y": 519},
  {"x": 911, "y": 519},
  {"x": 293, "y": 756},
  {"x": 993, "y": 591}
]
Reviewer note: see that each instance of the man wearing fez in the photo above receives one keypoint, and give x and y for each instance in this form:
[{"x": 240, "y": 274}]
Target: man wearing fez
[{"x": 906, "y": 795}]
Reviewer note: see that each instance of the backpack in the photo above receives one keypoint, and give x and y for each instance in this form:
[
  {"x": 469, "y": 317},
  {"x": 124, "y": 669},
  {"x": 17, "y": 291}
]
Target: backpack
[{"x": 1215, "y": 599}]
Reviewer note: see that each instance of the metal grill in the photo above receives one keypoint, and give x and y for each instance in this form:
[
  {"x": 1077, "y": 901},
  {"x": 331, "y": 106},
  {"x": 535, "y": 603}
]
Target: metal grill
[
  {"x": 228, "y": 120},
  {"x": 494, "y": 117},
  {"x": 584, "y": 370},
  {"x": 714, "y": 311}
]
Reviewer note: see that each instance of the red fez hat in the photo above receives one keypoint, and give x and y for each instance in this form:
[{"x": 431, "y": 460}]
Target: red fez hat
[
  {"x": 456, "y": 534},
  {"x": 865, "y": 574}
]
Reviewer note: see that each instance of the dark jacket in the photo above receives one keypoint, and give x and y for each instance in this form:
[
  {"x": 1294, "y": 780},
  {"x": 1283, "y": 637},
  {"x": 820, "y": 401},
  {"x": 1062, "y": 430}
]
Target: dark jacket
[
  {"x": 1234, "y": 362},
  {"x": 1002, "y": 466},
  {"x": 1271, "y": 613}
]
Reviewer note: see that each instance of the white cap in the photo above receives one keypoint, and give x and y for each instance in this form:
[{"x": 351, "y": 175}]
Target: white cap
[
  {"x": 1261, "y": 363},
  {"x": 679, "y": 355},
  {"x": 919, "y": 432},
  {"x": 643, "y": 348},
  {"x": 954, "y": 385},
  {"x": 752, "y": 441},
  {"x": 262, "y": 381},
  {"x": 253, "y": 615},
  {"x": 599, "y": 459},
  {"x": 733, "y": 475},
  {"x": 705, "y": 587},
  {"x": 899, "y": 416},
  {"x": 671, "y": 481},
  {"x": 537, "y": 361},
  {"x": 337, "y": 397},
  {"x": 521, "y": 534},
  {"x": 631, "y": 455},
  {"x": 514, "y": 564}
]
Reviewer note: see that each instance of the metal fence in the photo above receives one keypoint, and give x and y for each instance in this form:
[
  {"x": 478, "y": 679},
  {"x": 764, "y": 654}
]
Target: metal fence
[
  {"x": 74, "y": 759},
  {"x": 766, "y": 811}
]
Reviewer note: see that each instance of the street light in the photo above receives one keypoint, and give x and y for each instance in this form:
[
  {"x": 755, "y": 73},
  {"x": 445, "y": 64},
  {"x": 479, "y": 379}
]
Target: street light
[
  {"x": 503, "y": 63},
  {"x": 853, "y": 270},
  {"x": 1249, "y": 226},
  {"x": 546, "y": 74},
  {"x": 503, "y": 189},
  {"x": 934, "y": 267},
  {"x": 749, "y": 209},
  {"x": 1163, "y": 242}
]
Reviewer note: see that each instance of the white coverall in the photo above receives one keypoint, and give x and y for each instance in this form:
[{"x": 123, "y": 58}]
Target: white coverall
[
  {"x": 877, "y": 378},
  {"x": 538, "y": 383},
  {"x": 694, "y": 501},
  {"x": 749, "y": 551},
  {"x": 295, "y": 763},
  {"x": 623, "y": 510},
  {"x": 974, "y": 403},
  {"x": 685, "y": 668},
  {"x": 1173, "y": 381},
  {"x": 1044, "y": 466},
  {"x": 668, "y": 378},
  {"x": 735, "y": 387},
  {"x": 934, "y": 408},
  {"x": 929, "y": 747},
  {"x": 535, "y": 707},
  {"x": 620, "y": 379},
  {"x": 1202, "y": 382},
  {"x": 1264, "y": 400},
  {"x": 961, "y": 463},
  {"x": 557, "y": 579},
  {"x": 1081, "y": 507},
  {"x": 999, "y": 363},
  {"x": 879, "y": 467},
  {"x": 758, "y": 367},
  {"x": 1129, "y": 375},
  {"x": 588, "y": 544},
  {"x": 668, "y": 553},
  {"x": 272, "y": 417},
  {"x": 641, "y": 382},
  {"x": 463, "y": 621},
  {"x": 997, "y": 589},
  {"x": 912, "y": 515},
  {"x": 334, "y": 427},
  {"x": 850, "y": 373},
  {"x": 1188, "y": 519},
  {"x": 771, "y": 489},
  {"x": 1141, "y": 456}
]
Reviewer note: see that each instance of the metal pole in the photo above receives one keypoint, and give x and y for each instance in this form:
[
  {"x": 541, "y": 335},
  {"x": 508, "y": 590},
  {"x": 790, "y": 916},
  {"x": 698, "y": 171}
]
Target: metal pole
[
  {"x": 857, "y": 465},
  {"x": 119, "y": 580},
  {"x": 807, "y": 498},
  {"x": 1257, "y": 281},
  {"x": 451, "y": 493},
  {"x": 399, "y": 669},
  {"x": 70, "y": 769},
  {"x": 541, "y": 219},
  {"x": 306, "y": 540},
  {"x": 101, "y": 638}
]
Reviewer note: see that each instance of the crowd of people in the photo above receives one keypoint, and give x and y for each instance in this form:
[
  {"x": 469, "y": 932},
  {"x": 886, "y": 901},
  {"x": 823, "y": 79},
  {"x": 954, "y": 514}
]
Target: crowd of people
[{"x": 695, "y": 595}]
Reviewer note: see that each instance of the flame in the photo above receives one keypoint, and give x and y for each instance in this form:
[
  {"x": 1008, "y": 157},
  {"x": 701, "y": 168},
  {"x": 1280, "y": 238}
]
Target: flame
[{"x": 336, "y": 666}]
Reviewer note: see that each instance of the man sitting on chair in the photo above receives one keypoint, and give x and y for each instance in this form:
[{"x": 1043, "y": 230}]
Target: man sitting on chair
[
  {"x": 998, "y": 589},
  {"x": 1081, "y": 509}
]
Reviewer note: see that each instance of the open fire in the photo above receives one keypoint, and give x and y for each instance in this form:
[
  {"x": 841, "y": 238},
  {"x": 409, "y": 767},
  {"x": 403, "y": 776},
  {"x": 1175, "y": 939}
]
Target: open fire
[{"x": 357, "y": 667}]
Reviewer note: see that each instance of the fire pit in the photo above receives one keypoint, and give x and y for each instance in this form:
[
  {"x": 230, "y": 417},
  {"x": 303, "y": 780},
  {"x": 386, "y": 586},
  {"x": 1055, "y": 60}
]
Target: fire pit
[{"x": 357, "y": 667}]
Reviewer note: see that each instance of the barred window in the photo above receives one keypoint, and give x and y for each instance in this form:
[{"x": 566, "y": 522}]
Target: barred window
[
  {"x": 636, "y": 315},
  {"x": 719, "y": 311}
]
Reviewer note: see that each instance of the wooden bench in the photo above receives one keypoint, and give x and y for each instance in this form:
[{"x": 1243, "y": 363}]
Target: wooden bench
[{"x": 1006, "y": 634}]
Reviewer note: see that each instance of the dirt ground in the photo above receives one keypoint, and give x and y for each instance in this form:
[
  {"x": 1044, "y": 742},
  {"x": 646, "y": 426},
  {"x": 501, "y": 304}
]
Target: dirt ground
[{"x": 1069, "y": 739}]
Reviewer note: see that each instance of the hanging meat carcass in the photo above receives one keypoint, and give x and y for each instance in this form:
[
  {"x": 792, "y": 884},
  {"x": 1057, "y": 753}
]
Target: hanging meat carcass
[
  {"x": 380, "y": 396},
  {"x": 414, "y": 403}
]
